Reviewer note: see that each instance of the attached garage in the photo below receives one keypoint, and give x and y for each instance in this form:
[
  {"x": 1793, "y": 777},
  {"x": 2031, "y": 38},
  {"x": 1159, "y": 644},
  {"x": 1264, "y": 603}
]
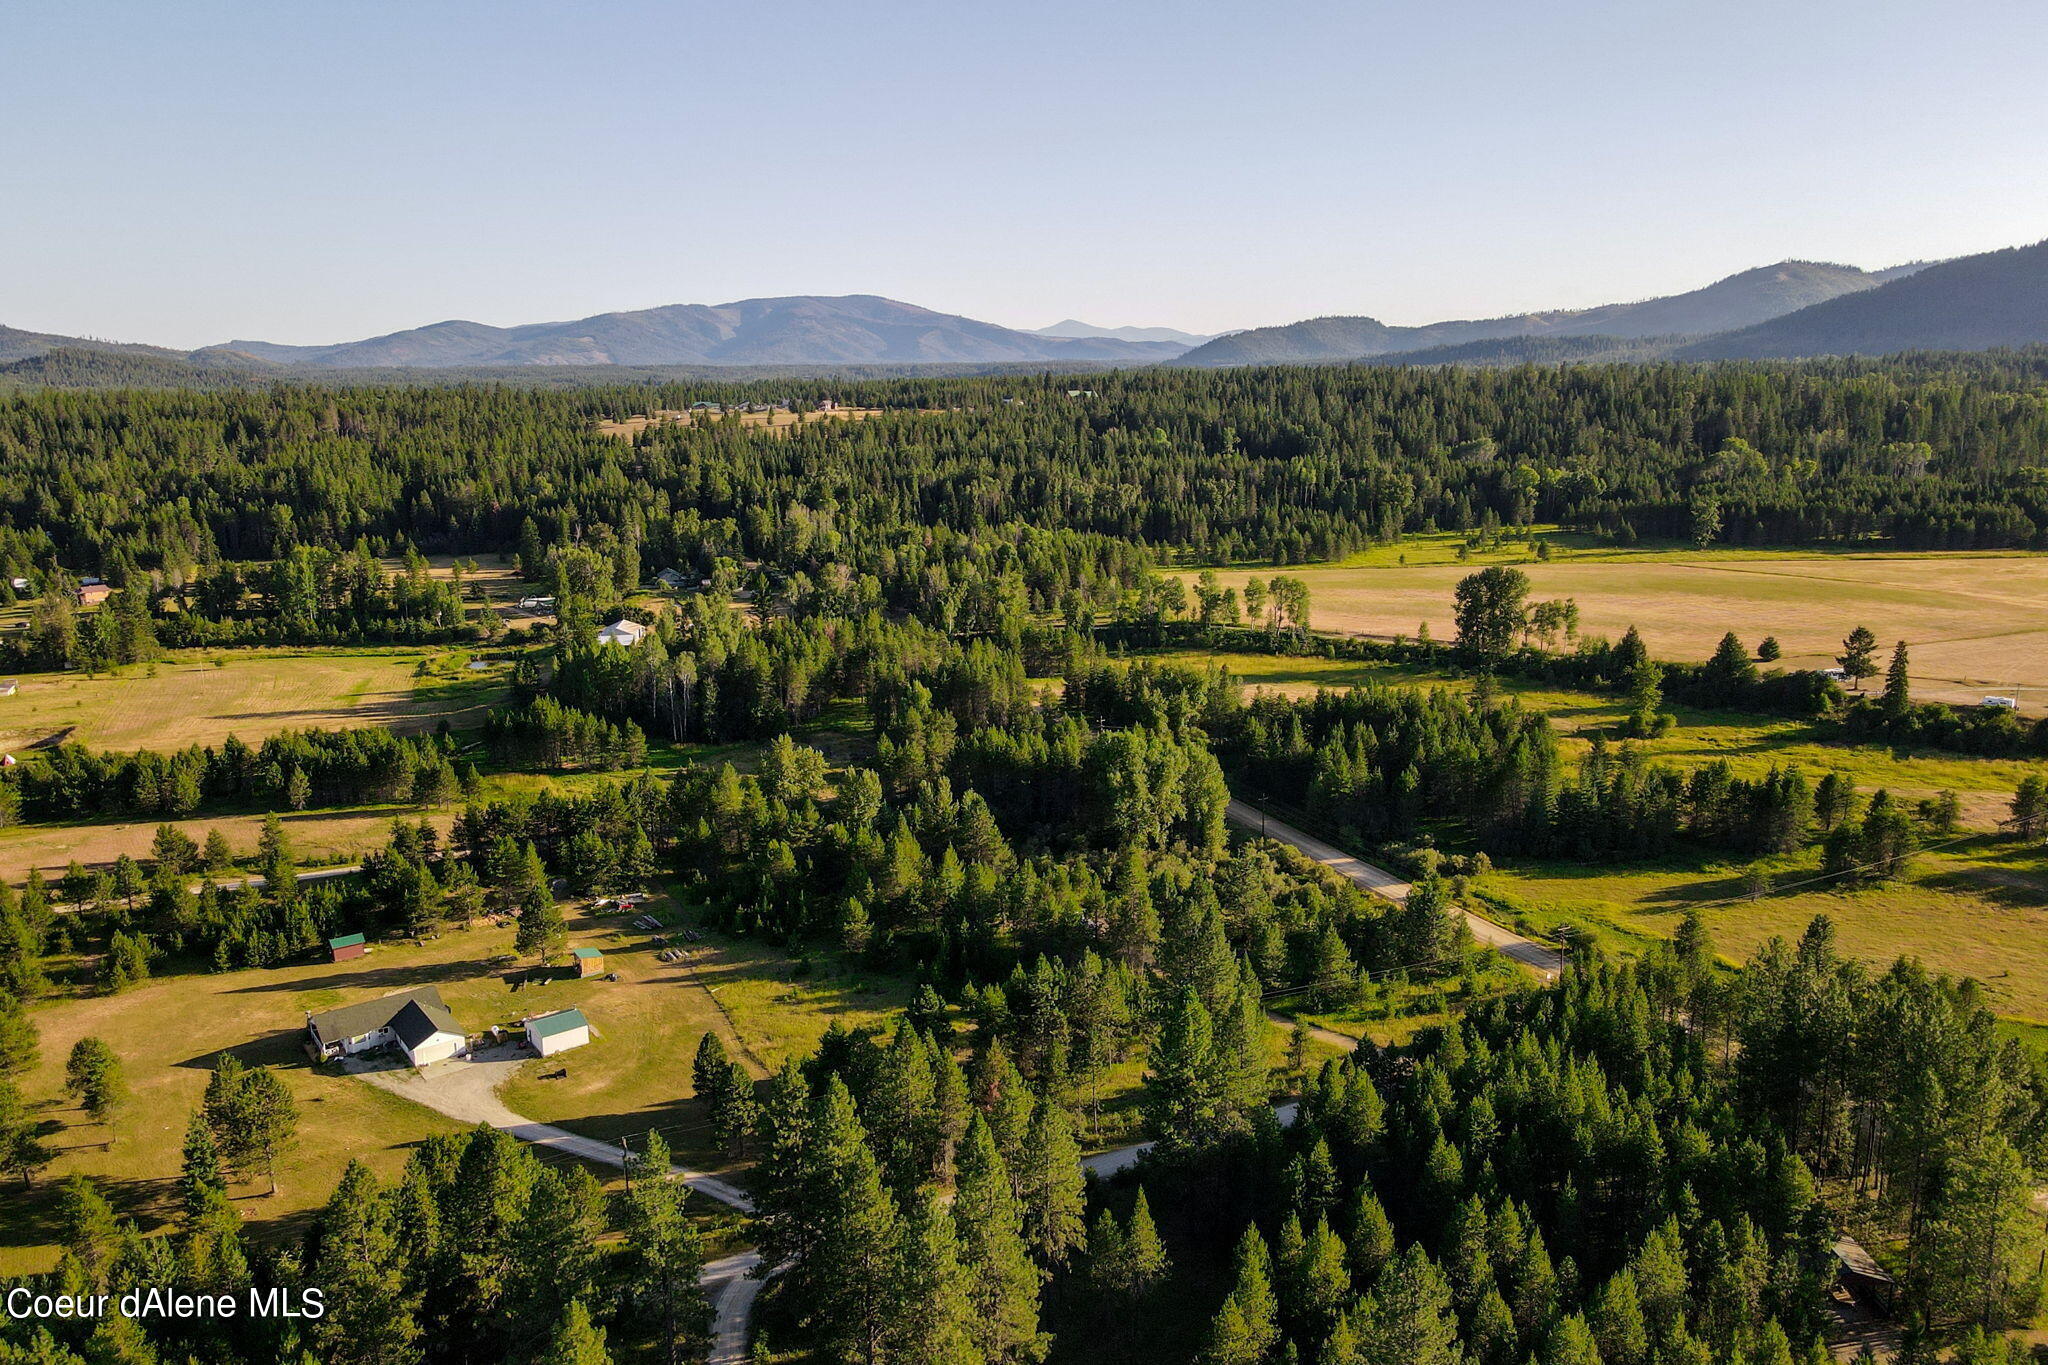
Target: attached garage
[
  {"x": 548, "y": 1034},
  {"x": 417, "y": 1022}
]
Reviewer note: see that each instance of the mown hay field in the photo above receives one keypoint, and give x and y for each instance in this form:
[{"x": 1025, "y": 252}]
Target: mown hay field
[
  {"x": 202, "y": 697},
  {"x": 1975, "y": 623}
]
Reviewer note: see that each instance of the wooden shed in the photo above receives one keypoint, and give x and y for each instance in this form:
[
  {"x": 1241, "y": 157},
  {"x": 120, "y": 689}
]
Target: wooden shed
[
  {"x": 347, "y": 946},
  {"x": 589, "y": 961}
]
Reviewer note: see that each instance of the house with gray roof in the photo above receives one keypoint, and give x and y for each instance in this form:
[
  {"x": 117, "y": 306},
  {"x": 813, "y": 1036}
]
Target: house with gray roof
[{"x": 416, "y": 1022}]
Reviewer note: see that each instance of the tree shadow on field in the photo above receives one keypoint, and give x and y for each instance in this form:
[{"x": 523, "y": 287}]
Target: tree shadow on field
[{"x": 282, "y": 1049}]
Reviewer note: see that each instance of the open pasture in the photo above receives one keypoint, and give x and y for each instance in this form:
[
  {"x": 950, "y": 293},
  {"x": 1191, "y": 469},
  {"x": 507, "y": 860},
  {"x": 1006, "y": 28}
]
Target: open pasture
[
  {"x": 1977, "y": 909},
  {"x": 776, "y": 420},
  {"x": 202, "y": 697},
  {"x": 1975, "y": 623}
]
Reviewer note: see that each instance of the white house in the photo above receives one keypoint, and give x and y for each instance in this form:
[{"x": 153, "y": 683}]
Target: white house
[
  {"x": 2002, "y": 703},
  {"x": 622, "y": 632},
  {"x": 415, "y": 1021},
  {"x": 536, "y": 604},
  {"x": 548, "y": 1034}
]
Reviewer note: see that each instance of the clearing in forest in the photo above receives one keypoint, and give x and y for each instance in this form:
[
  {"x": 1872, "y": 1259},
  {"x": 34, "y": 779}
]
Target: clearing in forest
[
  {"x": 1975, "y": 623},
  {"x": 202, "y": 697},
  {"x": 634, "y": 1075}
]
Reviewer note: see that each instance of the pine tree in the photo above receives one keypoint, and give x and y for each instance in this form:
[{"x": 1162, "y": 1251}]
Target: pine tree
[
  {"x": 665, "y": 1264},
  {"x": 1002, "y": 1283},
  {"x": 850, "y": 1276},
  {"x": 369, "y": 1318},
  {"x": 1054, "y": 1189},
  {"x": 1408, "y": 1317},
  {"x": 1371, "y": 1238},
  {"x": 92, "y": 1076},
  {"x": 1144, "y": 1254},
  {"x": 22, "y": 1150},
  {"x": 200, "y": 1176},
  {"x": 1897, "y": 702},
  {"x": 1252, "y": 1297},
  {"x": 934, "y": 1328},
  {"x": 1182, "y": 1092},
  {"x": 1857, "y": 656},
  {"x": 576, "y": 1340},
  {"x": 541, "y": 930}
]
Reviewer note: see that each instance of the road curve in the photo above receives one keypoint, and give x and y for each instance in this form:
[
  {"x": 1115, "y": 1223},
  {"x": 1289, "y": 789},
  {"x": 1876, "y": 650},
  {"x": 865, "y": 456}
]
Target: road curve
[{"x": 1536, "y": 956}]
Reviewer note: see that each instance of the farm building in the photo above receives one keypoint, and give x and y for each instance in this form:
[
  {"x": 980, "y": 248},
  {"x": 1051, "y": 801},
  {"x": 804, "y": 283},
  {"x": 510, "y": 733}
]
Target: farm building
[
  {"x": 92, "y": 594},
  {"x": 416, "y": 1022},
  {"x": 557, "y": 1032},
  {"x": 589, "y": 961},
  {"x": 1867, "y": 1281},
  {"x": 622, "y": 632},
  {"x": 8, "y": 687},
  {"x": 2002, "y": 703},
  {"x": 345, "y": 947}
]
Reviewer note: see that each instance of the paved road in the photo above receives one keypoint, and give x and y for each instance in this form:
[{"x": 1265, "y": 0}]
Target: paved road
[{"x": 1536, "y": 956}]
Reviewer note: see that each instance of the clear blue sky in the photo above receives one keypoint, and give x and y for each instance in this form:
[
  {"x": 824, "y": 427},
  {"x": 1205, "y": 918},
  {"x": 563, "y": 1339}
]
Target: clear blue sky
[{"x": 319, "y": 170}]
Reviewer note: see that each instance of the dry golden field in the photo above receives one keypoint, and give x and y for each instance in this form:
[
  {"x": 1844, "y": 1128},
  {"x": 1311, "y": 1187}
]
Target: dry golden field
[
  {"x": 776, "y": 421},
  {"x": 202, "y": 697},
  {"x": 1974, "y": 623}
]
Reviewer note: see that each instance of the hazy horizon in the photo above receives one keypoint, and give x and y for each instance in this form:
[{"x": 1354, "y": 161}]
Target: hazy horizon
[{"x": 310, "y": 175}]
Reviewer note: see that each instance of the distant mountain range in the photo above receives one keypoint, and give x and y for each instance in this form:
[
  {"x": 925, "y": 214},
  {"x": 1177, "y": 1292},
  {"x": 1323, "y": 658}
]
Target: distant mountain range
[
  {"x": 1740, "y": 301},
  {"x": 1972, "y": 303},
  {"x": 1794, "y": 308},
  {"x": 856, "y": 329},
  {"x": 1074, "y": 327}
]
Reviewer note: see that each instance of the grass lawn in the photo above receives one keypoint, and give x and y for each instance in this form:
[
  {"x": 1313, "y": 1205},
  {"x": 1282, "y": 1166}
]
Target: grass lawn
[
  {"x": 203, "y": 696},
  {"x": 1974, "y": 620},
  {"x": 635, "y": 1074}
]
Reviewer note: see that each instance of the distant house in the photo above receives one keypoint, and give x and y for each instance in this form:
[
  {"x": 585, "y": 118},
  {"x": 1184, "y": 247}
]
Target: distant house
[
  {"x": 622, "y": 632},
  {"x": 90, "y": 582},
  {"x": 416, "y": 1022},
  {"x": 536, "y": 604},
  {"x": 1837, "y": 674},
  {"x": 703, "y": 405},
  {"x": 345, "y": 947},
  {"x": 92, "y": 594},
  {"x": 548, "y": 1034},
  {"x": 2002, "y": 703},
  {"x": 20, "y": 584},
  {"x": 670, "y": 579},
  {"x": 589, "y": 961},
  {"x": 8, "y": 687}
]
